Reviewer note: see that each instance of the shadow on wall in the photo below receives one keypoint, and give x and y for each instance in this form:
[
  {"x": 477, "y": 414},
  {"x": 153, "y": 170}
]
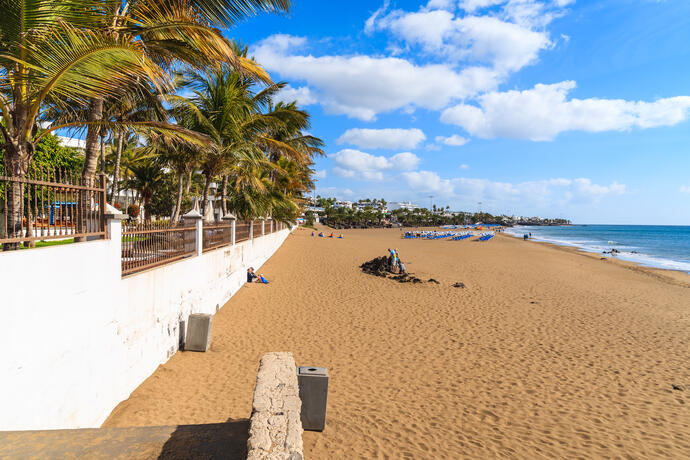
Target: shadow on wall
[{"x": 212, "y": 441}]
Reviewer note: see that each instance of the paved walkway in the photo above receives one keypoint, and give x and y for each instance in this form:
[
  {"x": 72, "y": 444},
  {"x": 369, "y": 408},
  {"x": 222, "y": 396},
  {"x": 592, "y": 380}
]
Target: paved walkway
[{"x": 200, "y": 442}]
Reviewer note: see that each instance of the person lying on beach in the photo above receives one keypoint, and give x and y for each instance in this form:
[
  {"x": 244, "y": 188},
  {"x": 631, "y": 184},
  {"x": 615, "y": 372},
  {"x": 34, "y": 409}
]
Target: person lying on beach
[
  {"x": 251, "y": 276},
  {"x": 321, "y": 234}
]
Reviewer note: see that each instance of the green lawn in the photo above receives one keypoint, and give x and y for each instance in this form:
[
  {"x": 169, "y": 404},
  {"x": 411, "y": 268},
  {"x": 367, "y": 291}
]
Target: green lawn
[{"x": 43, "y": 244}]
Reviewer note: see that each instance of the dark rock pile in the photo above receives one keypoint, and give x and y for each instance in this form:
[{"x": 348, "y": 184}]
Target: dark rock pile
[{"x": 380, "y": 266}]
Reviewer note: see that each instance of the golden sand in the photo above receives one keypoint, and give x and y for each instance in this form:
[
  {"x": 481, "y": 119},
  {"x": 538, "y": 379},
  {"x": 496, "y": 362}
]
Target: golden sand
[{"x": 546, "y": 353}]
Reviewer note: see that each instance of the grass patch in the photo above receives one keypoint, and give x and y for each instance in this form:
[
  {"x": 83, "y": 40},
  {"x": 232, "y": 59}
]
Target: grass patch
[{"x": 43, "y": 244}]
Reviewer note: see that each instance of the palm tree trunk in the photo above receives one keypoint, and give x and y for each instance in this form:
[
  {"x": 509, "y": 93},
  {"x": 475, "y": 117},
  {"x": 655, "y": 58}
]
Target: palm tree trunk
[
  {"x": 92, "y": 140},
  {"x": 205, "y": 200},
  {"x": 17, "y": 158},
  {"x": 224, "y": 195},
  {"x": 115, "y": 190},
  {"x": 188, "y": 187},
  {"x": 178, "y": 203},
  {"x": 91, "y": 154},
  {"x": 102, "y": 148}
]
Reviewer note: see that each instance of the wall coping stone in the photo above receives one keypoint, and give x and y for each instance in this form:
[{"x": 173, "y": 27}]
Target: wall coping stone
[{"x": 276, "y": 429}]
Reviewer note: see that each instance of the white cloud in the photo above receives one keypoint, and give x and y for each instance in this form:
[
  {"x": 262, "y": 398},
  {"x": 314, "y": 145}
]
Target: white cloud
[
  {"x": 441, "y": 5},
  {"x": 364, "y": 86},
  {"x": 453, "y": 140},
  {"x": 472, "y": 5},
  {"x": 541, "y": 113},
  {"x": 322, "y": 174},
  {"x": 302, "y": 95},
  {"x": 539, "y": 193},
  {"x": 383, "y": 138},
  {"x": 464, "y": 166},
  {"x": 354, "y": 164},
  {"x": 685, "y": 189},
  {"x": 503, "y": 45}
]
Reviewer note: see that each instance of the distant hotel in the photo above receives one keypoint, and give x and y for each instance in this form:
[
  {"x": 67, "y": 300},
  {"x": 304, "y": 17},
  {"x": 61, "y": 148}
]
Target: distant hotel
[{"x": 407, "y": 205}]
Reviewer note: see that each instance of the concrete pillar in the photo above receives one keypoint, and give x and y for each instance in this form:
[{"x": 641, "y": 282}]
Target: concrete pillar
[
  {"x": 263, "y": 227},
  {"x": 193, "y": 218},
  {"x": 113, "y": 224},
  {"x": 251, "y": 230}
]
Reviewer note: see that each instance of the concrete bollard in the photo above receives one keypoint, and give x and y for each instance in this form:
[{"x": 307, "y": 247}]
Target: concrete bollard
[
  {"x": 313, "y": 391},
  {"x": 198, "y": 332}
]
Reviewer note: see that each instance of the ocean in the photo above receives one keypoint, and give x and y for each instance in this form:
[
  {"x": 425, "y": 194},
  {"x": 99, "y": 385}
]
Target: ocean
[{"x": 658, "y": 246}]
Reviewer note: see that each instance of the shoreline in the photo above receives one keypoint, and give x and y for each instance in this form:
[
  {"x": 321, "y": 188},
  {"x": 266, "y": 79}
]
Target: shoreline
[
  {"x": 674, "y": 276},
  {"x": 623, "y": 256}
]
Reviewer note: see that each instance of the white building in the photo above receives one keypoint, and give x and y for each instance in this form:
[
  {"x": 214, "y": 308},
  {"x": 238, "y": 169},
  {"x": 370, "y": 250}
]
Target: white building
[
  {"x": 407, "y": 205},
  {"x": 75, "y": 143},
  {"x": 343, "y": 204}
]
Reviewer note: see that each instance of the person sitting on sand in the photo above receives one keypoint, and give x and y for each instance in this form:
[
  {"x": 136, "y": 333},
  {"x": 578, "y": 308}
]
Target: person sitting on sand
[
  {"x": 331, "y": 236},
  {"x": 262, "y": 279},
  {"x": 251, "y": 276},
  {"x": 321, "y": 234},
  {"x": 312, "y": 233},
  {"x": 341, "y": 236}
]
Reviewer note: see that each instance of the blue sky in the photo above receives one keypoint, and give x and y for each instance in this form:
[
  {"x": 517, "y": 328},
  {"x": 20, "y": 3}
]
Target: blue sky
[{"x": 561, "y": 108}]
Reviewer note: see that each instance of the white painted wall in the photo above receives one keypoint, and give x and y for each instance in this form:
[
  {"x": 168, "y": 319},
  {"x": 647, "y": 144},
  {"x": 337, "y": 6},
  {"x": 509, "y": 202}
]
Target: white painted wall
[{"x": 78, "y": 339}]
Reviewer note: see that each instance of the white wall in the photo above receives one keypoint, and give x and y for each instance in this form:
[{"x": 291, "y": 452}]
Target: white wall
[{"x": 78, "y": 339}]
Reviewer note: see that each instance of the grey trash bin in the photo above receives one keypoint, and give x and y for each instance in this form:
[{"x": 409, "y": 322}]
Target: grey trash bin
[
  {"x": 198, "y": 332},
  {"x": 313, "y": 391}
]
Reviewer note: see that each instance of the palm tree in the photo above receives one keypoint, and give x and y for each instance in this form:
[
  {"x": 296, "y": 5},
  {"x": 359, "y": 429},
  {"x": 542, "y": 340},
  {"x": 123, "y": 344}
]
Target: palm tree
[
  {"x": 46, "y": 58},
  {"x": 171, "y": 32},
  {"x": 145, "y": 178}
]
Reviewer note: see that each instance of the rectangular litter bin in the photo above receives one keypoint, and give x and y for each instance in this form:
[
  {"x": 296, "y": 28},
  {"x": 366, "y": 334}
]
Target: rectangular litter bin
[
  {"x": 313, "y": 391},
  {"x": 198, "y": 332}
]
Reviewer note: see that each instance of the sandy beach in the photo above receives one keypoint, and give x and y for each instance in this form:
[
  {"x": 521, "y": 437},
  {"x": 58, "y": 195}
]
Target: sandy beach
[{"x": 546, "y": 353}]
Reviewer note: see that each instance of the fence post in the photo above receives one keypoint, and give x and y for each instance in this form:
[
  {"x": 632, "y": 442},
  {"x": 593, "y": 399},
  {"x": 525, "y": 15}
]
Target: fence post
[
  {"x": 113, "y": 221},
  {"x": 263, "y": 227},
  {"x": 194, "y": 218},
  {"x": 232, "y": 218},
  {"x": 251, "y": 230}
]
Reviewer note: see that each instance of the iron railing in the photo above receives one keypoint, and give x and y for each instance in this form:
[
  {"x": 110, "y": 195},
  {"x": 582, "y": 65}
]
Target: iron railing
[
  {"x": 241, "y": 231},
  {"x": 149, "y": 245},
  {"x": 48, "y": 204},
  {"x": 216, "y": 236},
  {"x": 256, "y": 228}
]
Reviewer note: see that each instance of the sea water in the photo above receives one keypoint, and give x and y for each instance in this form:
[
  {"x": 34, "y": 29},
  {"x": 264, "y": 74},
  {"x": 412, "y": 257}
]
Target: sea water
[{"x": 659, "y": 246}]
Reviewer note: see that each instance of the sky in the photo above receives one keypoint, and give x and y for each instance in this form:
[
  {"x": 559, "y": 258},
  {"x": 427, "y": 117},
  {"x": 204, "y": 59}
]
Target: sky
[{"x": 575, "y": 109}]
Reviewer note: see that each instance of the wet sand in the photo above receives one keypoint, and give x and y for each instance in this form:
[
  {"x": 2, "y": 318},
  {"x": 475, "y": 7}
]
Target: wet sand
[{"x": 547, "y": 352}]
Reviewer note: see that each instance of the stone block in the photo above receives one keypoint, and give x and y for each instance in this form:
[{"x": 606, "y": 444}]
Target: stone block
[
  {"x": 198, "y": 332},
  {"x": 276, "y": 430}
]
